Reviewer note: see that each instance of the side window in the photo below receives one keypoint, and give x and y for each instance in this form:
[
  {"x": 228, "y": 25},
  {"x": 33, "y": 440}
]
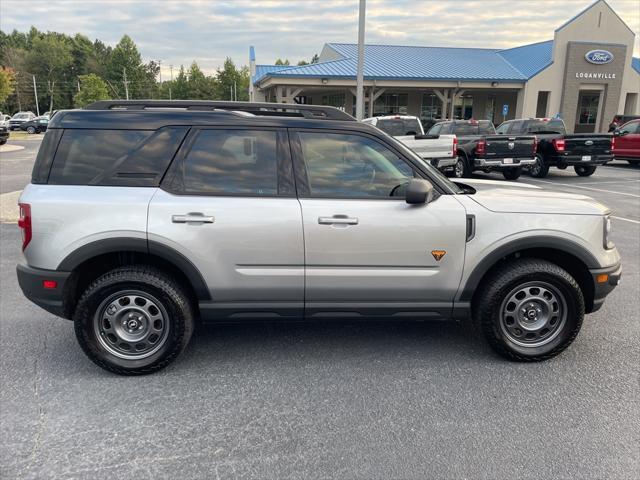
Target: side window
[
  {"x": 436, "y": 129},
  {"x": 486, "y": 128},
  {"x": 83, "y": 155},
  {"x": 232, "y": 162},
  {"x": 343, "y": 166},
  {"x": 504, "y": 128}
]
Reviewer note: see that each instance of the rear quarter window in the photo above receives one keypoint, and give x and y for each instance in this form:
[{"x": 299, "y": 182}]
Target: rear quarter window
[{"x": 115, "y": 157}]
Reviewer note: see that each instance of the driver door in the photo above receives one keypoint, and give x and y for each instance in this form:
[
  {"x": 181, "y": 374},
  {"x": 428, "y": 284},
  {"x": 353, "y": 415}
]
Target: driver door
[{"x": 367, "y": 251}]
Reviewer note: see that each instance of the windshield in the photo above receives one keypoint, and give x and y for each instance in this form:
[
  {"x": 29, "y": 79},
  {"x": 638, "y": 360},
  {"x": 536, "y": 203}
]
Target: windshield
[
  {"x": 20, "y": 116},
  {"x": 397, "y": 127},
  {"x": 433, "y": 171}
]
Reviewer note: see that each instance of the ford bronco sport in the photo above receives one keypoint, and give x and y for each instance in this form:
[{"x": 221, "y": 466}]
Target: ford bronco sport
[{"x": 142, "y": 218}]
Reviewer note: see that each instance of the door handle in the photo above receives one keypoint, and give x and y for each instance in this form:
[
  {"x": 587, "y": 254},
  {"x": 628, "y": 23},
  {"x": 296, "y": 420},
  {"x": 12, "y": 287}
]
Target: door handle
[
  {"x": 192, "y": 217},
  {"x": 338, "y": 220}
]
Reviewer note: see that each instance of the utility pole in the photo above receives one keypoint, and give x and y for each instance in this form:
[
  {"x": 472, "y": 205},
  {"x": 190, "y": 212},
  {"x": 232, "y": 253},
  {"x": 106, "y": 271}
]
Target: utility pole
[
  {"x": 18, "y": 92},
  {"x": 171, "y": 70},
  {"x": 126, "y": 84},
  {"x": 360, "y": 74},
  {"x": 235, "y": 91},
  {"x": 35, "y": 93},
  {"x": 160, "y": 70},
  {"x": 78, "y": 80}
]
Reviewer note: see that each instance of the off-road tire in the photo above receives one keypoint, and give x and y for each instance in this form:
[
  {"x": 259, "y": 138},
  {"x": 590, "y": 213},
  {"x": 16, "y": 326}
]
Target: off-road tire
[
  {"x": 144, "y": 279},
  {"x": 512, "y": 173},
  {"x": 585, "y": 170},
  {"x": 540, "y": 169},
  {"x": 502, "y": 281}
]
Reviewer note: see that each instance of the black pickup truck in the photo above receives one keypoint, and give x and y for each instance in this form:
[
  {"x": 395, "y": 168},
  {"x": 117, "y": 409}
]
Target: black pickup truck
[
  {"x": 480, "y": 148},
  {"x": 584, "y": 151}
]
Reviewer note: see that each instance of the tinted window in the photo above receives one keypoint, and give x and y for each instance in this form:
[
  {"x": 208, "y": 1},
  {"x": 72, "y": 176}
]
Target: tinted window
[
  {"x": 504, "y": 128},
  {"x": 83, "y": 155},
  {"x": 486, "y": 128},
  {"x": 436, "y": 129},
  {"x": 465, "y": 129},
  {"x": 232, "y": 162},
  {"x": 352, "y": 166},
  {"x": 397, "y": 127},
  {"x": 541, "y": 126}
]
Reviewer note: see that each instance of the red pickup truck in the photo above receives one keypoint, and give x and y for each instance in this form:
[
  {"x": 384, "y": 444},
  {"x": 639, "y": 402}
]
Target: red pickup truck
[{"x": 626, "y": 142}]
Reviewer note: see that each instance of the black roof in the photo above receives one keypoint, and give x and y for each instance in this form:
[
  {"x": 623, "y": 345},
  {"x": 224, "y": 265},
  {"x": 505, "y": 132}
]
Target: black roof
[{"x": 153, "y": 114}]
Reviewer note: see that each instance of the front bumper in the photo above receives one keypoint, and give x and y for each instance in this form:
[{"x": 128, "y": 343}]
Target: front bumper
[
  {"x": 581, "y": 159},
  {"x": 503, "y": 162},
  {"x": 602, "y": 286},
  {"x": 442, "y": 163},
  {"x": 31, "y": 281}
]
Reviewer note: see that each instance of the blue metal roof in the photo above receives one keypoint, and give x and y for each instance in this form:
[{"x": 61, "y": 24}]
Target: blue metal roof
[
  {"x": 262, "y": 70},
  {"x": 530, "y": 59},
  {"x": 635, "y": 63}
]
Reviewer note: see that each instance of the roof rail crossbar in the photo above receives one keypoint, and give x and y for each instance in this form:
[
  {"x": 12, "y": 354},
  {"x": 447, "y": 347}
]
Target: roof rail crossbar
[{"x": 319, "y": 112}]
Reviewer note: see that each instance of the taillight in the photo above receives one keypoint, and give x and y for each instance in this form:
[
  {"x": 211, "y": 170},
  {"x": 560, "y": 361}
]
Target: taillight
[
  {"x": 24, "y": 222},
  {"x": 613, "y": 143},
  {"x": 454, "y": 153},
  {"x": 558, "y": 144},
  {"x": 535, "y": 145},
  {"x": 481, "y": 147}
]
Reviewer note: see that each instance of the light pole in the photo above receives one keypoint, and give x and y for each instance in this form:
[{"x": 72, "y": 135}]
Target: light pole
[
  {"x": 360, "y": 74},
  {"x": 171, "y": 70}
]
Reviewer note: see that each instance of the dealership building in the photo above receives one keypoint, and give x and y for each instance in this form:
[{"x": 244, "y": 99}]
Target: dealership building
[{"x": 586, "y": 74}]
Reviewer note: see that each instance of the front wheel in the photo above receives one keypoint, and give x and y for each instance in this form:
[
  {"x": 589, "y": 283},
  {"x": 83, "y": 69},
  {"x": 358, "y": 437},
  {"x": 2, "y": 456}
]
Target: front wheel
[
  {"x": 512, "y": 173},
  {"x": 31, "y": 130},
  {"x": 585, "y": 170},
  {"x": 540, "y": 169},
  {"x": 530, "y": 310},
  {"x": 133, "y": 320}
]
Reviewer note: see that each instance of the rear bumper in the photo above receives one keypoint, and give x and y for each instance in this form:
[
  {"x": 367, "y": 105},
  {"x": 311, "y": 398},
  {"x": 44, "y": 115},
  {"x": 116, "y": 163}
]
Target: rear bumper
[
  {"x": 578, "y": 159},
  {"x": 604, "y": 288},
  {"x": 51, "y": 299},
  {"x": 448, "y": 162},
  {"x": 503, "y": 162}
]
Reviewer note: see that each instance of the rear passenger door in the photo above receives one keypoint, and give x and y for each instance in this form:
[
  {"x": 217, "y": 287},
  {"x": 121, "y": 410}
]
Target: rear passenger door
[{"x": 228, "y": 205}]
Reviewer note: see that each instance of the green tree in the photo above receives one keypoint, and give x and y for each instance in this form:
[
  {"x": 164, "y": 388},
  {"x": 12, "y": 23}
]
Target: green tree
[
  {"x": 302, "y": 62},
  {"x": 315, "y": 58},
  {"x": 125, "y": 64},
  {"x": 50, "y": 59},
  {"x": 279, "y": 61},
  {"x": 231, "y": 79},
  {"x": 92, "y": 89},
  {"x": 6, "y": 85}
]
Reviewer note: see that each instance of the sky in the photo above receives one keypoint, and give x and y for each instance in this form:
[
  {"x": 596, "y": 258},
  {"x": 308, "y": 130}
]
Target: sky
[{"x": 181, "y": 31}]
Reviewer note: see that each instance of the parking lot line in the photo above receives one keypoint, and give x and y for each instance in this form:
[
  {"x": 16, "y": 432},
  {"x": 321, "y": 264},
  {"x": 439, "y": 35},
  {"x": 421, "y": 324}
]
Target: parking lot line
[
  {"x": 626, "y": 219},
  {"x": 611, "y": 181},
  {"x": 586, "y": 188}
]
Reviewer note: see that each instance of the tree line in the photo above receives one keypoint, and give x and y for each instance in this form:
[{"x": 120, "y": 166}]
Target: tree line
[{"x": 72, "y": 71}]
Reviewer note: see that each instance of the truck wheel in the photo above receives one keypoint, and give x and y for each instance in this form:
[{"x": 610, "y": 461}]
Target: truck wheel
[
  {"x": 530, "y": 310},
  {"x": 2, "y": 142},
  {"x": 512, "y": 173},
  {"x": 133, "y": 320},
  {"x": 462, "y": 168},
  {"x": 31, "y": 130},
  {"x": 540, "y": 169},
  {"x": 585, "y": 170}
]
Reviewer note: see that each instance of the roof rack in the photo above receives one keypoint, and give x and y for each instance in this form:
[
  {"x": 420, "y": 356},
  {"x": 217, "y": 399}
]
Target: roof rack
[{"x": 317, "y": 112}]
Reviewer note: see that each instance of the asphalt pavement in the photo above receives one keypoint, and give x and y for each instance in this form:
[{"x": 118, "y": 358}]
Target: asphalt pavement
[{"x": 328, "y": 400}]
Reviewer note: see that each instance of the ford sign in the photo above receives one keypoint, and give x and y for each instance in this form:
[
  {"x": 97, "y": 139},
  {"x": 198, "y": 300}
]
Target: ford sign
[{"x": 599, "y": 57}]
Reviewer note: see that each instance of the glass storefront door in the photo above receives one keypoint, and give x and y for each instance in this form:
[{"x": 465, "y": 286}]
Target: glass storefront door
[{"x": 587, "y": 115}]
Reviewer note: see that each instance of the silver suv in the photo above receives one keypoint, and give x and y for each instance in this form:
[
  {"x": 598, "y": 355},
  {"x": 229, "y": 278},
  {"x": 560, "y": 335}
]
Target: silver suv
[{"x": 143, "y": 218}]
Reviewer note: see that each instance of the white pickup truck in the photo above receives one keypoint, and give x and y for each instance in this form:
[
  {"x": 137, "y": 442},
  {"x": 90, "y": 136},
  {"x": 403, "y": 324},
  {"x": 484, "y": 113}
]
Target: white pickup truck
[{"x": 439, "y": 150}]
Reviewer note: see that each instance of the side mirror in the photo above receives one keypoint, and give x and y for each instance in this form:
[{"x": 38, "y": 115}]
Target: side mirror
[
  {"x": 419, "y": 192},
  {"x": 619, "y": 133}
]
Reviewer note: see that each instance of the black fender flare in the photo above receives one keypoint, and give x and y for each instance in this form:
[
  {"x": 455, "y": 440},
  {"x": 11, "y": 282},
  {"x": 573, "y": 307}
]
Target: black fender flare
[
  {"x": 561, "y": 245},
  {"x": 141, "y": 245}
]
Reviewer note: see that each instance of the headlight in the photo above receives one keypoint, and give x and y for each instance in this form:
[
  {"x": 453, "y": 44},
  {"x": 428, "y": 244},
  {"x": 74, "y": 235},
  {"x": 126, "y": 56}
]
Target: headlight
[{"x": 606, "y": 236}]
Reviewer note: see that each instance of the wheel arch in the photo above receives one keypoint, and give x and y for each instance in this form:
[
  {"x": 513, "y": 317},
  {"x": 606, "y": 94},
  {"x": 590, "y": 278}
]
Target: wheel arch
[
  {"x": 96, "y": 258},
  {"x": 571, "y": 256}
]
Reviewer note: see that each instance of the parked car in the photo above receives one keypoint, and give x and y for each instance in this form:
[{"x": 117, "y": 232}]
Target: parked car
[
  {"x": 584, "y": 151},
  {"x": 19, "y": 118},
  {"x": 620, "y": 120},
  {"x": 439, "y": 150},
  {"x": 4, "y": 134},
  {"x": 626, "y": 142},
  {"x": 4, "y": 119},
  {"x": 144, "y": 216},
  {"x": 37, "y": 125},
  {"x": 479, "y": 148}
]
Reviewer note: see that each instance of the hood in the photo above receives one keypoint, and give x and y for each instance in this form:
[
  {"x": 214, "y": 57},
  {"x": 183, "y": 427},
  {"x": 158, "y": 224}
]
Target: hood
[{"x": 516, "y": 198}]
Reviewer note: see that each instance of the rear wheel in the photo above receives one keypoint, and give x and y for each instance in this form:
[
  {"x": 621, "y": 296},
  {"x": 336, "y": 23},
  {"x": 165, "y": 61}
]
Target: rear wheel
[
  {"x": 512, "y": 173},
  {"x": 462, "y": 169},
  {"x": 133, "y": 320},
  {"x": 585, "y": 170},
  {"x": 540, "y": 169},
  {"x": 530, "y": 310}
]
